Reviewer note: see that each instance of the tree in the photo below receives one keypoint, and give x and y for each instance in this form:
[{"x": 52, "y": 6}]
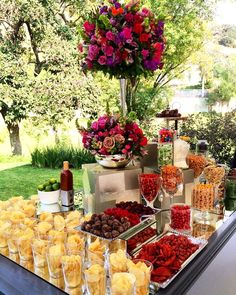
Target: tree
[
  {"x": 15, "y": 97},
  {"x": 226, "y": 35},
  {"x": 38, "y": 45},
  {"x": 224, "y": 83},
  {"x": 185, "y": 30}
]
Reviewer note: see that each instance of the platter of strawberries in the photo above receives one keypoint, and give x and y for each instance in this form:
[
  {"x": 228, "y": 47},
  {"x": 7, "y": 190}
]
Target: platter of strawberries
[{"x": 169, "y": 254}]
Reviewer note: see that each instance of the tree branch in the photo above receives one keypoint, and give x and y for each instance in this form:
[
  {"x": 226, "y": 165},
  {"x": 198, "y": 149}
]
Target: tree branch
[
  {"x": 5, "y": 21},
  {"x": 38, "y": 64}
]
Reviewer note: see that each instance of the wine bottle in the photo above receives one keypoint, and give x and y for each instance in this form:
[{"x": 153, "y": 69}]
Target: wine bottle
[{"x": 67, "y": 191}]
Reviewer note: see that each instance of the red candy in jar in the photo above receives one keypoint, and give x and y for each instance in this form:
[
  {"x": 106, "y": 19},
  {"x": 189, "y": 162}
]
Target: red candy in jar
[{"x": 180, "y": 217}]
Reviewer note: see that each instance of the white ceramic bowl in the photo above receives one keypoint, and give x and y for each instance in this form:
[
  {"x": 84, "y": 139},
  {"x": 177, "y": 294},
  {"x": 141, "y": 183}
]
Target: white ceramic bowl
[{"x": 49, "y": 197}]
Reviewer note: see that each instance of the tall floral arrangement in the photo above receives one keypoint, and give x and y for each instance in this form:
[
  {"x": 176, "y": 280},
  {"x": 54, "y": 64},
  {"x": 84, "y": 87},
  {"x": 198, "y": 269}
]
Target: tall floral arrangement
[
  {"x": 110, "y": 135},
  {"x": 123, "y": 41}
]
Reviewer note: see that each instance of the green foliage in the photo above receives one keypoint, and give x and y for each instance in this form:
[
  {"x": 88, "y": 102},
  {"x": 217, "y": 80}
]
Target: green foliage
[
  {"x": 53, "y": 157},
  {"x": 225, "y": 79},
  {"x": 185, "y": 31},
  {"x": 218, "y": 129}
]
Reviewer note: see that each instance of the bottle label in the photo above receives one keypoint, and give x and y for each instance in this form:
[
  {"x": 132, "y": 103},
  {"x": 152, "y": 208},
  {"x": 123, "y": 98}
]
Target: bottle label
[{"x": 67, "y": 198}]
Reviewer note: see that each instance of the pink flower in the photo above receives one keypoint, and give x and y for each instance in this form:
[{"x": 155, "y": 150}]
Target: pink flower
[
  {"x": 102, "y": 122},
  {"x": 108, "y": 142},
  {"x": 127, "y": 147},
  {"x": 93, "y": 51},
  {"x": 124, "y": 151},
  {"x": 94, "y": 125},
  {"x": 127, "y": 33},
  {"x": 110, "y": 36},
  {"x": 119, "y": 138},
  {"x": 103, "y": 151},
  {"x": 145, "y": 53},
  {"x": 102, "y": 60},
  {"x": 89, "y": 27},
  {"x": 108, "y": 50},
  {"x": 145, "y": 12}
]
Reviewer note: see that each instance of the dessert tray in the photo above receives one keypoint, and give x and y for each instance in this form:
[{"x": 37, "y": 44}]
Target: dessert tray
[
  {"x": 129, "y": 233},
  {"x": 201, "y": 243}
]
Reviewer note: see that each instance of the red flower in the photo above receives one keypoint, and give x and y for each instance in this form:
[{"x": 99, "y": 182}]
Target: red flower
[
  {"x": 143, "y": 141},
  {"x": 103, "y": 41},
  {"x": 157, "y": 56},
  {"x": 124, "y": 55},
  {"x": 138, "y": 18},
  {"x": 139, "y": 131},
  {"x": 89, "y": 27},
  {"x": 129, "y": 17},
  {"x": 144, "y": 37},
  {"x": 158, "y": 46},
  {"x": 138, "y": 28}
]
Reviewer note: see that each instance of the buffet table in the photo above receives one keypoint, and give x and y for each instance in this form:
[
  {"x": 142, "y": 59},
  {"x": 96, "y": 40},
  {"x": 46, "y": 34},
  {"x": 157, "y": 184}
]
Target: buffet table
[{"x": 15, "y": 280}]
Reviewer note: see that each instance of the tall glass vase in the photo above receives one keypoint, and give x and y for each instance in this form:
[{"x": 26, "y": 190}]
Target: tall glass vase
[
  {"x": 123, "y": 85},
  {"x": 128, "y": 88}
]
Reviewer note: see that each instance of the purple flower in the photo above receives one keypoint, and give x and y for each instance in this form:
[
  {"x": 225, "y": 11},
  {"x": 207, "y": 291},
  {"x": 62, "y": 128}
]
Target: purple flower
[
  {"x": 110, "y": 61},
  {"x": 104, "y": 10},
  {"x": 102, "y": 60},
  {"x": 110, "y": 36},
  {"x": 117, "y": 5},
  {"x": 93, "y": 52},
  {"x": 160, "y": 28},
  {"x": 150, "y": 65},
  {"x": 113, "y": 22}
]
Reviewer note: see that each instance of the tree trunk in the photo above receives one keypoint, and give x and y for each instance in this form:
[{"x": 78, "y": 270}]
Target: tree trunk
[
  {"x": 14, "y": 133},
  {"x": 57, "y": 139}
]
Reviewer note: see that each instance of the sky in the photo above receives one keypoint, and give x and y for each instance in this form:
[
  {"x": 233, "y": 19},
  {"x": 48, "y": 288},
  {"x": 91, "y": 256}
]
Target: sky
[{"x": 226, "y": 12}]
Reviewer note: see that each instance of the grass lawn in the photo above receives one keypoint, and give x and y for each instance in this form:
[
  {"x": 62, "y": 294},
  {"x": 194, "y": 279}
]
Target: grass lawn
[{"x": 19, "y": 179}]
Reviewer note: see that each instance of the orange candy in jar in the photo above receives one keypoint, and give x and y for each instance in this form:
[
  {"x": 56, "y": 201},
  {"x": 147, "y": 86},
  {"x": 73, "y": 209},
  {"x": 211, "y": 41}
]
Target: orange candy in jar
[
  {"x": 203, "y": 196},
  {"x": 172, "y": 177},
  {"x": 197, "y": 163}
]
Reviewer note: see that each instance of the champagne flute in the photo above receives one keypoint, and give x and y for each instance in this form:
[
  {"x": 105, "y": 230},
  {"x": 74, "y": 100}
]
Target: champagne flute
[{"x": 172, "y": 180}]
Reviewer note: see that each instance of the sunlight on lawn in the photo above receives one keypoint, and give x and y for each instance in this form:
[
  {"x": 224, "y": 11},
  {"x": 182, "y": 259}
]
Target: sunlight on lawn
[{"x": 22, "y": 179}]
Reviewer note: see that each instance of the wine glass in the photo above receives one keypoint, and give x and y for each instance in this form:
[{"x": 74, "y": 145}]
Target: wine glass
[
  {"x": 149, "y": 184},
  {"x": 172, "y": 180},
  {"x": 197, "y": 163}
]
